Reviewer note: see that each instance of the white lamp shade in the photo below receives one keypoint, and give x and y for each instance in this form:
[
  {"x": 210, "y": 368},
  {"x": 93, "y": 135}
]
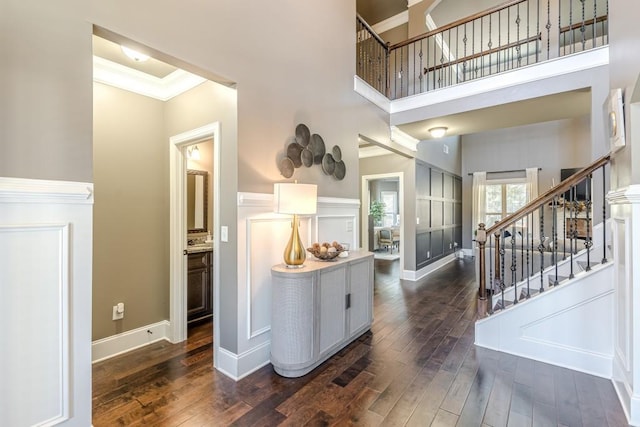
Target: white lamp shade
[{"x": 290, "y": 198}]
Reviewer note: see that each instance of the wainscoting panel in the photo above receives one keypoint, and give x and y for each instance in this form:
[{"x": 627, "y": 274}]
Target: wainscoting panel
[{"x": 45, "y": 289}]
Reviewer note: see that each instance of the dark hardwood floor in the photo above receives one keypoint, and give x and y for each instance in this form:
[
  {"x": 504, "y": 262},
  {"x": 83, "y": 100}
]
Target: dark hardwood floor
[{"x": 416, "y": 367}]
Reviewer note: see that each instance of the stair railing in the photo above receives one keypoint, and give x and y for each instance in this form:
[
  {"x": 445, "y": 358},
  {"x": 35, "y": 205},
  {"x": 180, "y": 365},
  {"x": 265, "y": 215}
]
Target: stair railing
[
  {"x": 508, "y": 36},
  {"x": 533, "y": 252}
]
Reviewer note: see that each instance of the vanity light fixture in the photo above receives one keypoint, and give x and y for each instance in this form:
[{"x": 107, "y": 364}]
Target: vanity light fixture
[
  {"x": 194, "y": 153},
  {"x": 134, "y": 54},
  {"x": 438, "y": 132}
]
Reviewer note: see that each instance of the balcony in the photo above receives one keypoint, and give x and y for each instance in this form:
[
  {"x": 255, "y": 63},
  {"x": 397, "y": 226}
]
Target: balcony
[{"x": 506, "y": 37}]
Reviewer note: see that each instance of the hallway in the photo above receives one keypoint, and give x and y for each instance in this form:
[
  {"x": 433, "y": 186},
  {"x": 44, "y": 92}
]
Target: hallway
[{"x": 418, "y": 366}]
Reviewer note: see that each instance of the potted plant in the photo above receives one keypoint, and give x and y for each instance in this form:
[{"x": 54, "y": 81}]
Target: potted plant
[{"x": 376, "y": 210}]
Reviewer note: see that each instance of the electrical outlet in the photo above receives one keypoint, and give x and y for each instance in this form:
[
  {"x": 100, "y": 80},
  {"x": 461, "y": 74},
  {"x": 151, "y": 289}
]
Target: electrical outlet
[
  {"x": 450, "y": 246},
  {"x": 418, "y": 220},
  {"x": 428, "y": 254},
  {"x": 224, "y": 233},
  {"x": 118, "y": 311},
  {"x": 349, "y": 226},
  {"x": 445, "y": 149}
]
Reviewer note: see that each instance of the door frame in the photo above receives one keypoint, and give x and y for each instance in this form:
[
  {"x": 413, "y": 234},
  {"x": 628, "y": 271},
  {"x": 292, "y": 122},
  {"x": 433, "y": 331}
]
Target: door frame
[
  {"x": 366, "y": 201},
  {"x": 178, "y": 229}
]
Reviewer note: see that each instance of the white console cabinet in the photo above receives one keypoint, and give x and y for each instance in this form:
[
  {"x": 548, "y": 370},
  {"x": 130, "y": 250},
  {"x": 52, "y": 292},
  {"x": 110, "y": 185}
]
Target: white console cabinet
[{"x": 319, "y": 309}]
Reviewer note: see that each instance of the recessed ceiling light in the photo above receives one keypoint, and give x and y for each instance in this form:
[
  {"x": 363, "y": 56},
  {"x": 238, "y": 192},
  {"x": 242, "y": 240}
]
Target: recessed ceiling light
[
  {"x": 133, "y": 54},
  {"x": 438, "y": 132}
]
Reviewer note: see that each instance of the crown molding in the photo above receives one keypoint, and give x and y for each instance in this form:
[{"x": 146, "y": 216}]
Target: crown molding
[
  {"x": 163, "y": 89},
  {"x": 390, "y": 23},
  {"x": 404, "y": 139}
]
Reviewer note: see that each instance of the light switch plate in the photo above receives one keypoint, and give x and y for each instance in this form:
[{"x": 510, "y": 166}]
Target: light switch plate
[{"x": 224, "y": 233}]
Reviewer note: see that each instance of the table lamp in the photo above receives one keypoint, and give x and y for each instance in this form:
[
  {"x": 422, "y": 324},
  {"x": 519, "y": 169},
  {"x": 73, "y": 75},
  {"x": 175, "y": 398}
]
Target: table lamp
[{"x": 295, "y": 199}]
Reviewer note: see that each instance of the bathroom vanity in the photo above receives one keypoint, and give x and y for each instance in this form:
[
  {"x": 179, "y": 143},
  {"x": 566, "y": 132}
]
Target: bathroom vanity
[{"x": 199, "y": 283}]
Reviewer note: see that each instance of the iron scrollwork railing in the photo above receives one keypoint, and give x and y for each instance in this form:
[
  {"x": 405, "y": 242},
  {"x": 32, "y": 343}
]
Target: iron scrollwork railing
[
  {"x": 505, "y": 37},
  {"x": 541, "y": 244}
]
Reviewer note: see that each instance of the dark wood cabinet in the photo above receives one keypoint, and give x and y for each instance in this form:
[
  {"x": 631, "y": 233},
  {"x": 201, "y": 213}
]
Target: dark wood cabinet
[{"x": 199, "y": 287}]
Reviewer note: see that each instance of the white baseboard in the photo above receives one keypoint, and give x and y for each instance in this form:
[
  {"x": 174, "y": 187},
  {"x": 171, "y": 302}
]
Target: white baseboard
[
  {"x": 423, "y": 272},
  {"x": 114, "y": 345},
  {"x": 238, "y": 366}
]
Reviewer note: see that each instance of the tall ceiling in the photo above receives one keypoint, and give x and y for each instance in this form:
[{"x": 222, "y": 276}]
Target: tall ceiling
[{"x": 554, "y": 107}]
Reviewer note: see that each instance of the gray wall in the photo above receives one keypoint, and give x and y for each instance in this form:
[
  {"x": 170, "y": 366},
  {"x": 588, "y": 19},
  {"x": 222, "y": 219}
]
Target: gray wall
[
  {"x": 551, "y": 146},
  {"x": 284, "y": 73},
  {"x": 433, "y": 152},
  {"x": 376, "y": 186}
]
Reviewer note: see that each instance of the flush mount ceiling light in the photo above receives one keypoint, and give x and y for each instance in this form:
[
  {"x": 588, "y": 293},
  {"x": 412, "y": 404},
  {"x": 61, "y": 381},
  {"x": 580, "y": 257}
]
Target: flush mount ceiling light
[
  {"x": 194, "y": 153},
  {"x": 438, "y": 132},
  {"x": 133, "y": 54}
]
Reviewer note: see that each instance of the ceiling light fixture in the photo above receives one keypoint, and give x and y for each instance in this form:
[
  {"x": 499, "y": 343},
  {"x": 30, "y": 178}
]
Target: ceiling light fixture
[
  {"x": 194, "y": 153},
  {"x": 438, "y": 132},
  {"x": 134, "y": 54}
]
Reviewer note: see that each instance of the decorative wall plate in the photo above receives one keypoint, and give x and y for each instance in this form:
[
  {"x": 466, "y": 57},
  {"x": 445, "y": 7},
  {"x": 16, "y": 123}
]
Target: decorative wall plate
[
  {"x": 307, "y": 157},
  {"x": 328, "y": 164},
  {"x": 286, "y": 167},
  {"x": 317, "y": 148},
  {"x": 337, "y": 153},
  {"x": 340, "y": 171},
  {"x": 293, "y": 152},
  {"x": 302, "y": 134}
]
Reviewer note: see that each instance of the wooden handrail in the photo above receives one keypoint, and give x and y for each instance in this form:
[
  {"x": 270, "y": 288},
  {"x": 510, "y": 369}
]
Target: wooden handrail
[
  {"x": 548, "y": 196},
  {"x": 373, "y": 33},
  {"x": 486, "y": 52},
  {"x": 457, "y": 23},
  {"x": 585, "y": 22}
]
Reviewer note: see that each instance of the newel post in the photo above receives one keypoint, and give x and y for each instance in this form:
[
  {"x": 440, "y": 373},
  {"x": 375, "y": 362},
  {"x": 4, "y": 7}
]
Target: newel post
[{"x": 481, "y": 238}]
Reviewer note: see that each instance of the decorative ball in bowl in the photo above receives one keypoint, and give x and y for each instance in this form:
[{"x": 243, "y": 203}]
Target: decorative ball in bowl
[{"x": 325, "y": 251}]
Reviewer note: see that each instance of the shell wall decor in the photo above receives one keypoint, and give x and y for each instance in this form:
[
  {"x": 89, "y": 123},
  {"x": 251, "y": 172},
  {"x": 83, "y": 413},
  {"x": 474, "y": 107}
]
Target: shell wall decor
[{"x": 308, "y": 150}]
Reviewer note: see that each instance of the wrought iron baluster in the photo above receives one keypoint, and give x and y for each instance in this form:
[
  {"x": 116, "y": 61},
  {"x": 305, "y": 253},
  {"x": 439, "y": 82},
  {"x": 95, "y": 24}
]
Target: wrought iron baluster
[
  {"x": 522, "y": 271},
  {"x": 572, "y": 228},
  {"x": 464, "y": 64},
  {"x": 541, "y": 249},
  {"x": 595, "y": 22},
  {"x": 499, "y": 43},
  {"x": 529, "y": 242},
  {"x": 502, "y": 251},
  {"x": 548, "y": 27},
  {"x": 583, "y": 28},
  {"x": 604, "y": 212},
  {"x": 514, "y": 264},
  {"x": 528, "y": 42},
  {"x": 554, "y": 234},
  {"x": 421, "y": 65},
  {"x": 518, "y": 46},
  {"x": 588, "y": 243},
  {"x": 489, "y": 45},
  {"x": 537, "y": 30}
]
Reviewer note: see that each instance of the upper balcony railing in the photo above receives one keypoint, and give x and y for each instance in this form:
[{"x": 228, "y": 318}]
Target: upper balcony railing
[{"x": 502, "y": 38}]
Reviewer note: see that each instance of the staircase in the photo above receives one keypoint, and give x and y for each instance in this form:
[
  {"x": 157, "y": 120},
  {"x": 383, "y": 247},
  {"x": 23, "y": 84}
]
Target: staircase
[{"x": 563, "y": 313}]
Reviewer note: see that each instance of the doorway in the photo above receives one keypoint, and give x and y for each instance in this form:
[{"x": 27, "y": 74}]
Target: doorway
[
  {"x": 387, "y": 189},
  {"x": 134, "y": 223}
]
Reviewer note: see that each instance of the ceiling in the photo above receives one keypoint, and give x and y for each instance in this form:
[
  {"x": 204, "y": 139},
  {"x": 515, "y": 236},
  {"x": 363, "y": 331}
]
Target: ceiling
[
  {"x": 111, "y": 51},
  {"x": 543, "y": 109},
  {"x": 374, "y": 11}
]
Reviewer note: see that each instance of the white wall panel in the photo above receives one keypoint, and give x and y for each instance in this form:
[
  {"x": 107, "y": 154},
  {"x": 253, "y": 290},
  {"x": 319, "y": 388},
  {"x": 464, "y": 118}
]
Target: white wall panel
[{"x": 45, "y": 290}]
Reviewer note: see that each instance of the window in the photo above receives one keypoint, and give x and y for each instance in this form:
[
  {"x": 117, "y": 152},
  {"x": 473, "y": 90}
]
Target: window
[
  {"x": 390, "y": 199},
  {"x": 504, "y": 198}
]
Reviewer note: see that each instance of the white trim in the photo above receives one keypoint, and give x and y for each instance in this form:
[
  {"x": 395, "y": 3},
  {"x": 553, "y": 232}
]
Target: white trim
[
  {"x": 534, "y": 72},
  {"x": 372, "y": 151},
  {"x": 391, "y": 23},
  {"x": 114, "y": 345},
  {"x": 178, "y": 231},
  {"x": 22, "y": 190},
  {"x": 238, "y": 366},
  {"x": 266, "y": 200},
  {"x": 163, "y": 89},
  {"x": 370, "y": 94},
  {"x": 425, "y": 271},
  {"x": 625, "y": 196},
  {"x": 404, "y": 139},
  {"x": 413, "y": 2}
]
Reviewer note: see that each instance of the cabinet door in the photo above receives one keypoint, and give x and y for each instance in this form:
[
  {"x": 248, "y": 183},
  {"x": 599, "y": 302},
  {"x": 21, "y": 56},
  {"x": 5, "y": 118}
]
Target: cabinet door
[
  {"x": 198, "y": 287},
  {"x": 332, "y": 290},
  {"x": 361, "y": 290}
]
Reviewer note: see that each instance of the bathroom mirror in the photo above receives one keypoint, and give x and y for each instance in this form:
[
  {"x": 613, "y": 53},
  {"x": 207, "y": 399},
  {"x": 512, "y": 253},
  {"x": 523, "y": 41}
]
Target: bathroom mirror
[{"x": 197, "y": 201}]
